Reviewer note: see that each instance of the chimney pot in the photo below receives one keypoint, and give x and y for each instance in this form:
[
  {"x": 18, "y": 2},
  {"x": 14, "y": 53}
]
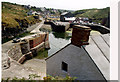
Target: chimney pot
[{"x": 80, "y": 35}]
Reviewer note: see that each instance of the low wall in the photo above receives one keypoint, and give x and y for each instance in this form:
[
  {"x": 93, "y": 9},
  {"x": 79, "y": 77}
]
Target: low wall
[
  {"x": 25, "y": 57},
  {"x": 16, "y": 54},
  {"x": 101, "y": 29}
]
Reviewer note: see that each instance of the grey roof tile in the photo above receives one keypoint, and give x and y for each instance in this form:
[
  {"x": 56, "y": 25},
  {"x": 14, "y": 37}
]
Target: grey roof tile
[{"x": 98, "y": 50}]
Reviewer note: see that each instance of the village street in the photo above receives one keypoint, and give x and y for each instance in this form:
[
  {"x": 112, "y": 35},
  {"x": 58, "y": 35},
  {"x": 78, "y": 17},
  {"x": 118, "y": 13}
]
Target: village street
[{"x": 33, "y": 66}]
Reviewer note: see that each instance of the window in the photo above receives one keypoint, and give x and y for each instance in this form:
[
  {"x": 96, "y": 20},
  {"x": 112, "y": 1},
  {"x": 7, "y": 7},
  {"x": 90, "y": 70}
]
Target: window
[{"x": 64, "y": 66}]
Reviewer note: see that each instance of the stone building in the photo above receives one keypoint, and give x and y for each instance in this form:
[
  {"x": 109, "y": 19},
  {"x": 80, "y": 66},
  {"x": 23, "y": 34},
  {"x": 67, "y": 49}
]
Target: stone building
[{"x": 87, "y": 57}]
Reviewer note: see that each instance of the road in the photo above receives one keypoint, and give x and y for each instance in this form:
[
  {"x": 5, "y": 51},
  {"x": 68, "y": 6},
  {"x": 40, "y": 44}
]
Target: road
[
  {"x": 33, "y": 66},
  {"x": 36, "y": 30},
  {"x": 30, "y": 28}
]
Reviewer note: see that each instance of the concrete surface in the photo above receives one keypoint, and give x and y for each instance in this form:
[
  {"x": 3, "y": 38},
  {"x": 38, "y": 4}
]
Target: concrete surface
[{"x": 33, "y": 66}]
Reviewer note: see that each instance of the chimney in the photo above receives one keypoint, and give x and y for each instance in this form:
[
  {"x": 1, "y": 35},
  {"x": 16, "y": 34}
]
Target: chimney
[{"x": 80, "y": 35}]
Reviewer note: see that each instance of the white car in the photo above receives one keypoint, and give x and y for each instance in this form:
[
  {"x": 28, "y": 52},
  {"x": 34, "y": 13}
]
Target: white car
[{"x": 15, "y": 40}]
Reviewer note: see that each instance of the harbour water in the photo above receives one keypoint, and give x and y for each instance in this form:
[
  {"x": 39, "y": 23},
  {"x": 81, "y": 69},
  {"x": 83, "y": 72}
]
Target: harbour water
[{"x": 57, "y": 41}]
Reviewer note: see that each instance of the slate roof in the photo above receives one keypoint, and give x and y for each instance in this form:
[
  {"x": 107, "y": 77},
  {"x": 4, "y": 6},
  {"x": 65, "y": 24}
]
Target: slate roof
[{"x": 99, "y": 50}]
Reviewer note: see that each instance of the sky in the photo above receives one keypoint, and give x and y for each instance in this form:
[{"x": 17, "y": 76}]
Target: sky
[{"x": 64, "y": 4}]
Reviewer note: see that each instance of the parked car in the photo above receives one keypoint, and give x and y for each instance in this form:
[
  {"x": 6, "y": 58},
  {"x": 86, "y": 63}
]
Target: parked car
[{"x": 15, "y": 40}]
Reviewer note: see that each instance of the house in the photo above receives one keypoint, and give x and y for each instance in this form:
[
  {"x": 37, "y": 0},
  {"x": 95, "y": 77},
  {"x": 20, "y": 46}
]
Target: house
[
  {"x": 65, "y": 14},
  {"x": 31, "y": 12},
  {"x": 86, "y": 57}
]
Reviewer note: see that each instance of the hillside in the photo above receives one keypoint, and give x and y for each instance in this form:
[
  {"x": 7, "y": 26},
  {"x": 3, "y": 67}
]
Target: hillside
[
  {"x": 15, "y": 19},
  {"x": 12, "y": 13},
  {"x": 96, "y": 15}
]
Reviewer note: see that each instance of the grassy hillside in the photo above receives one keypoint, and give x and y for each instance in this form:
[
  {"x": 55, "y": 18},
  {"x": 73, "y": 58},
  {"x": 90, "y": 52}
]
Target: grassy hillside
[
  {"x": 11, "y": 13},
  {"x": 15, "y": 20},
  {"x": 97, "y": 15}
]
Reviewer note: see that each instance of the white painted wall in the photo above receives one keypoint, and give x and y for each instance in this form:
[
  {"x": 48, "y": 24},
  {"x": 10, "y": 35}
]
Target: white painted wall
[{"x": 79, "y": 64}]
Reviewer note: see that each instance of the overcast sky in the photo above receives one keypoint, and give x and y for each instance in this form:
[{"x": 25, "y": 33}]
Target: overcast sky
[{"x": 64, "y": 4}]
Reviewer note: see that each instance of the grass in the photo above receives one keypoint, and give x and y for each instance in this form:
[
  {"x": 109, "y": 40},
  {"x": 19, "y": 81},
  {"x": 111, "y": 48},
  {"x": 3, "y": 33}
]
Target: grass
[
  {"x": 96, "y": 14},
  {"x": 94, "y": 32},
  {"x": 45, "y": 29},
  {"x": 15, "y": 16},
  {"x": 11, "y": 12},
  {"x": 59, "y": 35},
  {"x": 42, "y": 54}
]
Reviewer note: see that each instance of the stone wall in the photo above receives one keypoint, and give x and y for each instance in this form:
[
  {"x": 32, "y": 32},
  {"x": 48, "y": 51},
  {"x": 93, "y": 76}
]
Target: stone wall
[
  {"x": 15, "y": 52},
  {"x": 25, "y": 50},
  {"x": 38, "y": 40},
  {"x": 101, "y": 29},
  {"x": 25, "y": 57},
  {"x": 25, "y": 47}
]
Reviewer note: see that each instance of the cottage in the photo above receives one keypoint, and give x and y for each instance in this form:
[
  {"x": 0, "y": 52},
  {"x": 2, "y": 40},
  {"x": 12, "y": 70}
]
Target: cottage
[
  {"x": 31, "y": 12},
  {"x": 87, "y": 57}
]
